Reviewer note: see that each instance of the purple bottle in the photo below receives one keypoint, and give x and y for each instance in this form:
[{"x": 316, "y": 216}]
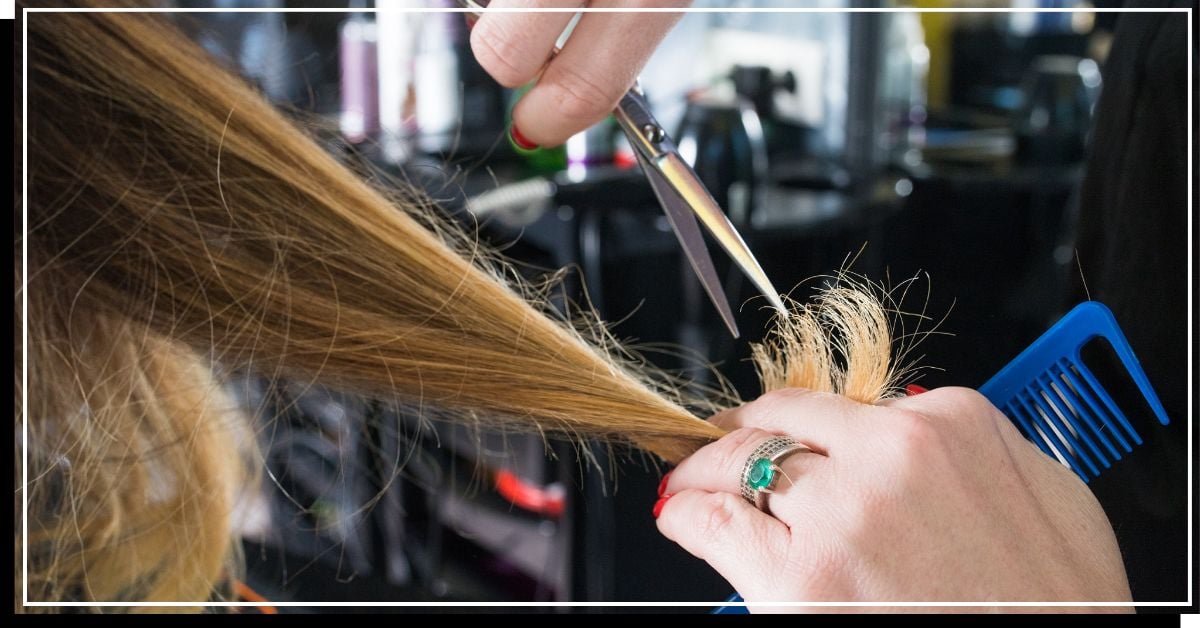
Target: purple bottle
[{"x": 359, "y": 78}]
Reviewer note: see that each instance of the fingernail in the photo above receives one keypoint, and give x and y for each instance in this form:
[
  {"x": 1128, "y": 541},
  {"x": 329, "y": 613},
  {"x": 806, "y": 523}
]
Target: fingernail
[
  {"x": 520, "y": 141},
  {"x": 913, "y": 389},
  {"x": 662, "y": 485},
  {"x": 658, "y": 505}
]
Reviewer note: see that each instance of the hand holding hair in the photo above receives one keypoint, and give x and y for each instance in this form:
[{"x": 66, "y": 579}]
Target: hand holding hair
[{"x": 930, "y": 498}]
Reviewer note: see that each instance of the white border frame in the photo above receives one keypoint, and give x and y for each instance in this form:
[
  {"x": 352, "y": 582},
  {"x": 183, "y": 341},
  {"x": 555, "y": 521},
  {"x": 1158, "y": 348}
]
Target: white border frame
[{"x": 25, "y": 314}]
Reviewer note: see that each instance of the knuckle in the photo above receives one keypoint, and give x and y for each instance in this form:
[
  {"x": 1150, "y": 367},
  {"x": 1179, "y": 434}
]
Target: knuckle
[
  {"x": 968, "y": 401},
  {"x": 913, "y": 432},
  {"x": 770, "y": 402},
  {"x": 731, "y": 451},
  {"x": 716, "y": 516},
  {"x": 580, "y": 97},
  {"x": 782, "y": 395},
  {"x": 966, "y": 413},
  {"x": 499, "y": 55}
]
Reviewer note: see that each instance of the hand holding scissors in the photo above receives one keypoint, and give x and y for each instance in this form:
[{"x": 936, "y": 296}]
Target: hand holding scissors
[
  {"x": 579, "y": 85},
  {"x": 683, "y": 197}
]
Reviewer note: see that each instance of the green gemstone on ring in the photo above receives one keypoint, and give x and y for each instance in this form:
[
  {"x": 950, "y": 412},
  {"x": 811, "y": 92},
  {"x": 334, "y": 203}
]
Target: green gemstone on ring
[{"x": 761, "y": 474}]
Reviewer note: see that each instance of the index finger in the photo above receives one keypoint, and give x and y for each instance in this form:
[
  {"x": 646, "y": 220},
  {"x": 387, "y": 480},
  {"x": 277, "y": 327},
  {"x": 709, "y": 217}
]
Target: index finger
[
  {"x": 598, "y": 64},
  {"x": 513, "y": 47},
  {"x": 823, "y": 421}
]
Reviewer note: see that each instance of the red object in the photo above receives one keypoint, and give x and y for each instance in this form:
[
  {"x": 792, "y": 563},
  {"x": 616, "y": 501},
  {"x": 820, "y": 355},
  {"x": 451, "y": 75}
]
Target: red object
[
  {"x": 662, "y": 485},
  {"x": 624, "y": 159},
  {"x": 521, "y": 140},
  {"x": 244, "y": 592},
  {"x": 543, "y": 501},
  {"x": 658, "y": 505},
  {"x": 913, "y": 389}
]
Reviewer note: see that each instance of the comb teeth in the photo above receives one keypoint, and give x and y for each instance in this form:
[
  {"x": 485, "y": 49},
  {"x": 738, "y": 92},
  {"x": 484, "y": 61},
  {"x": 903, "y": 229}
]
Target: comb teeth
[
  {"x": 1110, "y": 423},
  {"x": 1060, "y": 405},
  {"x": 1107, "y": 401},
  {"x": 1047, "y": 425},
  {"x": 1068, "y": 417},
  {"x": 1072, "y": 419}
]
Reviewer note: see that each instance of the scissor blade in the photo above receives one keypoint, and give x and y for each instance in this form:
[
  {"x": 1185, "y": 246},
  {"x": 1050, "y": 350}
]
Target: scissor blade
[
  {"x": 683, "y": 221},
  {"x": 688, "y": 187}
]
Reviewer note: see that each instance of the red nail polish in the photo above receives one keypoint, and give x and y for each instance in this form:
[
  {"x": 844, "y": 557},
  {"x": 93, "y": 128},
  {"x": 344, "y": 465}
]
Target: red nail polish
[
  {"x": 913, "y": 389},
  {"x": 662, "y": 485},
  {"x": 658, "y": 505},
  {"x": 520, "y": 140}
]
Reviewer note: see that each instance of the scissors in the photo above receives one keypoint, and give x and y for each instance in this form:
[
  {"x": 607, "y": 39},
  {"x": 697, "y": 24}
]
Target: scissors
[{"x": 683, "y": 198}]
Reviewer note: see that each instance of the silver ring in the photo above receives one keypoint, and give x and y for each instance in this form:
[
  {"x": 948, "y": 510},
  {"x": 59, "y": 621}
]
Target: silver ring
[{"x": 761, "y": 472}]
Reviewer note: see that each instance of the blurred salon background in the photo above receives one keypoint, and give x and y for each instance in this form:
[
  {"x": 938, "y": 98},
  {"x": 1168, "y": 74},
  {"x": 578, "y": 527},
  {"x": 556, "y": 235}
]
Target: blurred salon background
[{"x": 947, "y": 147}]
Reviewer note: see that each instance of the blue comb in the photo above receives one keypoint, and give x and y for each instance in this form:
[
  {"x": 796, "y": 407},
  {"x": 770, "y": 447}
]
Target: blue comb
[{"x": 1058, "y": 403}]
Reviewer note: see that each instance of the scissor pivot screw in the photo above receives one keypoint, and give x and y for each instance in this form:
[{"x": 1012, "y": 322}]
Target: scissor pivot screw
[{"x": 654, "y": 133}]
